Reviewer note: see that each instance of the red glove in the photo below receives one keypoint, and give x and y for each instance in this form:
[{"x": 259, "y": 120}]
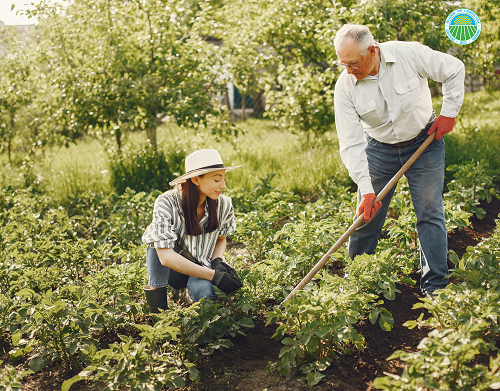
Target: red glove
[
  {"x": 441, "y": 126},
  {"x": 367, "y": 207}
]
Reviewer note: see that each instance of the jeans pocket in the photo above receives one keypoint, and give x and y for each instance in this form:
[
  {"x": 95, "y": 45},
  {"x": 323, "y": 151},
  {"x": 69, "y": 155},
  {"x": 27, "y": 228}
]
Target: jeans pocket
[{"x": 371, "y": 140}]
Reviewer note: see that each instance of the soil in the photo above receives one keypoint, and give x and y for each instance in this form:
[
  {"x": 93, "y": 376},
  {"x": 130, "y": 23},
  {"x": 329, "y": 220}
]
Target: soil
[{"x": 246, "y": 367}]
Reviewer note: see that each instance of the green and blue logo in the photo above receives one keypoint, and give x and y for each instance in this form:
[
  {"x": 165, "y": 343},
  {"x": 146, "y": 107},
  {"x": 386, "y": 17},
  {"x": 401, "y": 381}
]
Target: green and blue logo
[{"x": 462, "y": 26}]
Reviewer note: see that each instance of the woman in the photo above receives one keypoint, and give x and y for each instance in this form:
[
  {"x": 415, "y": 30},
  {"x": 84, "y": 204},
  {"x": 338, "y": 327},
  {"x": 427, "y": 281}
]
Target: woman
[{"x": 187, "y": 237}]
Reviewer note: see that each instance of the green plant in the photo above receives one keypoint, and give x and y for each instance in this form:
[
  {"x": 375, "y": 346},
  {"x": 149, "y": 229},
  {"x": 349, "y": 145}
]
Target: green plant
[
  {"x": 322, "y": 325},
  {"x": 138, "y": 365},
  {"x": 11, "y": 379},
  {"x": 473, "y": 182},
  {"x": 145, "y": 168},
  {"x": 203, "y": 327},
  {"x": 60, "y": 323},
  {"x": 445, "y": 362}
]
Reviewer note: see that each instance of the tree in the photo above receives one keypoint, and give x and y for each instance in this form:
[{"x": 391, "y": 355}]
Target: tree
[
  {"x": 125, "y": 64},
  {"x": 15, "y": 91}
]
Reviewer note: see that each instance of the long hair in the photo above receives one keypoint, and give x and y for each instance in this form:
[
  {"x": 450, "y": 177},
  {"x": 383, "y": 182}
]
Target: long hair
[{"x": 189, "y": 203}]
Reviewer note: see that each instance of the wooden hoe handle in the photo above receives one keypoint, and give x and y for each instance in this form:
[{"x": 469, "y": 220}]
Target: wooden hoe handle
[{"x": 359, "y": 220}]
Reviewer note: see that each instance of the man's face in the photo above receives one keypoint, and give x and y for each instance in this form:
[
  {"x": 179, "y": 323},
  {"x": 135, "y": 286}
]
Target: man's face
[{"x": 365, "y": 62}]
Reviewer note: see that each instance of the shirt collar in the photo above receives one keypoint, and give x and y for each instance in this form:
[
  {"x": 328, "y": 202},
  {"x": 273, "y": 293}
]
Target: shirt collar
[
  {"x": 385, "y": 57},
  {"x": 205, "y": 216}
]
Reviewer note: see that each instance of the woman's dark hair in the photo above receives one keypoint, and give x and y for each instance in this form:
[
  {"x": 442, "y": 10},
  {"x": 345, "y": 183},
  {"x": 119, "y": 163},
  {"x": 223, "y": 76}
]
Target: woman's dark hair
[{"x": 189, "y": 203}]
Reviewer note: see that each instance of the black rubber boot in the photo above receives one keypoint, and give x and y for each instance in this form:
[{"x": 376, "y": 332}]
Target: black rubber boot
[{"x": 156, "y": 298}]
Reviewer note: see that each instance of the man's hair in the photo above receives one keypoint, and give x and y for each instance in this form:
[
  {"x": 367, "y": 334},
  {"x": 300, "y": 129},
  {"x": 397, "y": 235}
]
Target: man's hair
[{"x": 361, "y": 36}]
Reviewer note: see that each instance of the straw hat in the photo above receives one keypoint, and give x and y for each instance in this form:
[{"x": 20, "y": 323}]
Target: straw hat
[{"x": 201, "y": 162}]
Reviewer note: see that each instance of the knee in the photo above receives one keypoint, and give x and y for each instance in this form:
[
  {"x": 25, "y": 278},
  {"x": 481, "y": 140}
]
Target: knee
[{"x": 201, "y": 289}]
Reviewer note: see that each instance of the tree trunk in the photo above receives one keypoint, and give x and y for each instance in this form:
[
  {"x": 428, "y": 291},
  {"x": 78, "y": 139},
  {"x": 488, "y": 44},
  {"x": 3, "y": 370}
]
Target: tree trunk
[
  {"x": 8, "y": 150},
  {"x": 118, "y": 135},
  {"x": 151, "y": 133},
  {"x": 242, "y": 108}
]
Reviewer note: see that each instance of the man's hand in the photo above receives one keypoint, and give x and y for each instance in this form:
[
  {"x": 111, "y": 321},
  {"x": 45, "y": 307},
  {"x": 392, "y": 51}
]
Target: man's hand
[
  {"x": 441, "y": 126},
  {"x": 367, "y": 207}
]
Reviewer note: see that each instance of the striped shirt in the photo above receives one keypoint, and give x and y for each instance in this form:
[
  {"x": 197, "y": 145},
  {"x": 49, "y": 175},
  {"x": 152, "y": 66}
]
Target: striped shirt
[{"x": 168, "y": 226}]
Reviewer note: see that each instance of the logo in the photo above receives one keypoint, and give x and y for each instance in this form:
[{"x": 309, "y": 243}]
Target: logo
[{"x": 462, "y": 26}]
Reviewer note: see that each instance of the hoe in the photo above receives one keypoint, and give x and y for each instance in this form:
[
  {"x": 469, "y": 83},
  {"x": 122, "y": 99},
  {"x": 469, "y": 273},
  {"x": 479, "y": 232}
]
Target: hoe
[{"x": 359, "y": 220}]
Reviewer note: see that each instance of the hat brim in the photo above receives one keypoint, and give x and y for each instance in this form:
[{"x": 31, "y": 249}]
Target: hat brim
[{"x": 192, "y": 174}]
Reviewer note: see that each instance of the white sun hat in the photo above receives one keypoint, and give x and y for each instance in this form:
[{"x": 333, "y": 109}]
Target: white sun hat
[{"x": 201, "y": 162}]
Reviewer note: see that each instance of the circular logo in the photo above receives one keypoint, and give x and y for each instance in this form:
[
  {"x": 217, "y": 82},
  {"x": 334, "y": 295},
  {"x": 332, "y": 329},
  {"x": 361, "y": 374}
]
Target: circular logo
[{"x": 462, "y": 26}]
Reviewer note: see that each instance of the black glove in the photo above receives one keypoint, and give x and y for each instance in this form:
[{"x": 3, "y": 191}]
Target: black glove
[
  {"x": 224, "y": 281},
  {"x": 228, "y": 269}
]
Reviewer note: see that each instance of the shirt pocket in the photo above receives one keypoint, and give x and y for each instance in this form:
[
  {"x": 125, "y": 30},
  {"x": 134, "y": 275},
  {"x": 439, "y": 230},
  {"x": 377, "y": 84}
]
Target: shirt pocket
[
  {"x": 368, "y": 113},
  {"x": 408, "y": 93}
]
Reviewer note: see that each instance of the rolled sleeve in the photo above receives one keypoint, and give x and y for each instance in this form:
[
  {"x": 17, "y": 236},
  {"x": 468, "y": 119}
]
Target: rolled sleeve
[
  {"x": 163, "y": 230},
  {"x": 227, "y": 219}
]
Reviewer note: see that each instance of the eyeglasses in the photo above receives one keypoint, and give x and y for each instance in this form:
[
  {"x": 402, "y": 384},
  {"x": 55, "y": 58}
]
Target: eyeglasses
[{"x": 351, "y": 66}]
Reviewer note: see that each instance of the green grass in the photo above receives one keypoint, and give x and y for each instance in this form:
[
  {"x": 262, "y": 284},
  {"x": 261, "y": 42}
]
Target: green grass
[{"x": 300, "y": 165}]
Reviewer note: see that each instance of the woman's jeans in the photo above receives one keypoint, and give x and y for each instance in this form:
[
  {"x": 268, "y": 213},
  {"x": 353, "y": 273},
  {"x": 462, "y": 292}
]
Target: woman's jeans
[
  {"x": 426, "y": 181},
  {"x": 158, "y": 278}
]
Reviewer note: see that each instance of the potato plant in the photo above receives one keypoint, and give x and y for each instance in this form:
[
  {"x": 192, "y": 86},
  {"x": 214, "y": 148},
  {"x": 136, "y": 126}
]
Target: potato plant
[
  {"x": 69, "y": 274},
  {"x": 466, "y": 319}
]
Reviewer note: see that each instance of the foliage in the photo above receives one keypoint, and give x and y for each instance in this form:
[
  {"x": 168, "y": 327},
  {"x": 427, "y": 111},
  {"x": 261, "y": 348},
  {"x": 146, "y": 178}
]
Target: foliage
[
  {"x": 138, "y": 365},
  {"x": 11, "y": 380},
  {"x": 15, "y": 89},
  {"x": 444, "y": 362},
  {"x": 145, "y": 168},
  {"x": 465, "y": 319},
  {"x": 60, "y": 323},
  {"x": 473, "y": 182},
  {"x": 110, "y": 66},
  {"x": 321, "y": 325}
]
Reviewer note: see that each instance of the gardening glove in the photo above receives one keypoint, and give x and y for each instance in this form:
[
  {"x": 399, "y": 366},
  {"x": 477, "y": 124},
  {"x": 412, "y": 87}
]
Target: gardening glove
[
  {"x": 367, "y": 207},
  {"x": 224, "y": 281},
  {"x": 441, "y": 126},
  {"x": 228, "y": 269}
]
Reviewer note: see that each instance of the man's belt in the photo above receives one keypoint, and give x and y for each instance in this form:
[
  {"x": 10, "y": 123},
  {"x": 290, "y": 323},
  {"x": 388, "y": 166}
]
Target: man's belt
[{"x": 424, "y": 130}]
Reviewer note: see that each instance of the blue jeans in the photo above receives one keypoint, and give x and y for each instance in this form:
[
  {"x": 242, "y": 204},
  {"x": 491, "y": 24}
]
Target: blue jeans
[
  {"x": 158, "y": 274},
  {"x": 426, "y": 182}
]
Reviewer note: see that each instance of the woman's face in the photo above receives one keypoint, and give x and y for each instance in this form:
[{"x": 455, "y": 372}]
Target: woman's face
[{"x": 211, "y": 184}]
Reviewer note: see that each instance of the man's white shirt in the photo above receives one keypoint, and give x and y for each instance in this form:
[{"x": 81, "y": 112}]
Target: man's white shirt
[{"x": 394, "y": 105}]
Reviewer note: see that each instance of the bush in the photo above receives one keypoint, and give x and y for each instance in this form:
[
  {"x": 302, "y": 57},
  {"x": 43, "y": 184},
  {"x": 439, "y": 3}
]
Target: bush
[{"x": 145, "y": 168}]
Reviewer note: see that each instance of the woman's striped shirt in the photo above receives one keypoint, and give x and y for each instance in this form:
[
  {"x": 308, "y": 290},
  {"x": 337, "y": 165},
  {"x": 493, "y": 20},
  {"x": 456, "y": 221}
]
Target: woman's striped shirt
[{"x": 168, "y": 226}]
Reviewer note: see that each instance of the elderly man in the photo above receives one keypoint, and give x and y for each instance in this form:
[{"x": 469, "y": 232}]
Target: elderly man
[{"x": 383, "y": 113}]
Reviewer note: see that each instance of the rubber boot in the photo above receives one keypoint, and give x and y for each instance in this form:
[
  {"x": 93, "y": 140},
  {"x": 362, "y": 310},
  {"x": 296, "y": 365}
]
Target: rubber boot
[{"x": 156, "y": 298}]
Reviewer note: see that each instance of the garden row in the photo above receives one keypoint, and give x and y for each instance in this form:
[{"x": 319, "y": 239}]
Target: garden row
[{"x": 71, "y": 274}]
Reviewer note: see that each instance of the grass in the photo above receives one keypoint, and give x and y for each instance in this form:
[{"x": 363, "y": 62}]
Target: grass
[{"x": 300, "y": 165}]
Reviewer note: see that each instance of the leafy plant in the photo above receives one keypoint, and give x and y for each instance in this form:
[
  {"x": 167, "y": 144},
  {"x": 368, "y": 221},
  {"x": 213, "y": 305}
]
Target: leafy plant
[
  {"x": 321, "y": 325},
  {"x": 11, "y": 379},
  {"x": 138, "y": 365},
  {"x": 61, "y": 323},
  {"x": 473, "y": 182},
  {"x": 445, "y": 362},
  {"x": 145, "y": 168}
]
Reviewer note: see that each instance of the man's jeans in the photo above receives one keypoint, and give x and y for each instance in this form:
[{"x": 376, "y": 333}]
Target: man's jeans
[
  {"x": 158, "y": 278},
  {"x": 426, "y": 181}
]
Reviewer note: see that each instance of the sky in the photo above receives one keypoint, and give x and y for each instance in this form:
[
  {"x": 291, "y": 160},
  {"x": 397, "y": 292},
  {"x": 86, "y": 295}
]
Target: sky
[{"x": 9, "y": 17}]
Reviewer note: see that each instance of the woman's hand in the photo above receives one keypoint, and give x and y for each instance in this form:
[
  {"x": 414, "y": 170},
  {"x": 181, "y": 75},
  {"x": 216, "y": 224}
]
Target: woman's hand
[
  {"x": 224, "y": 280},
  {"x": 228, "y": 269}
]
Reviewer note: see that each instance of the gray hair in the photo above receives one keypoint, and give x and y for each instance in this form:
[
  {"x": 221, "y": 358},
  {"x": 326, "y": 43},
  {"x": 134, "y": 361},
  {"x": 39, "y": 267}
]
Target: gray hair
[{"x": 361, "y": 36}]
